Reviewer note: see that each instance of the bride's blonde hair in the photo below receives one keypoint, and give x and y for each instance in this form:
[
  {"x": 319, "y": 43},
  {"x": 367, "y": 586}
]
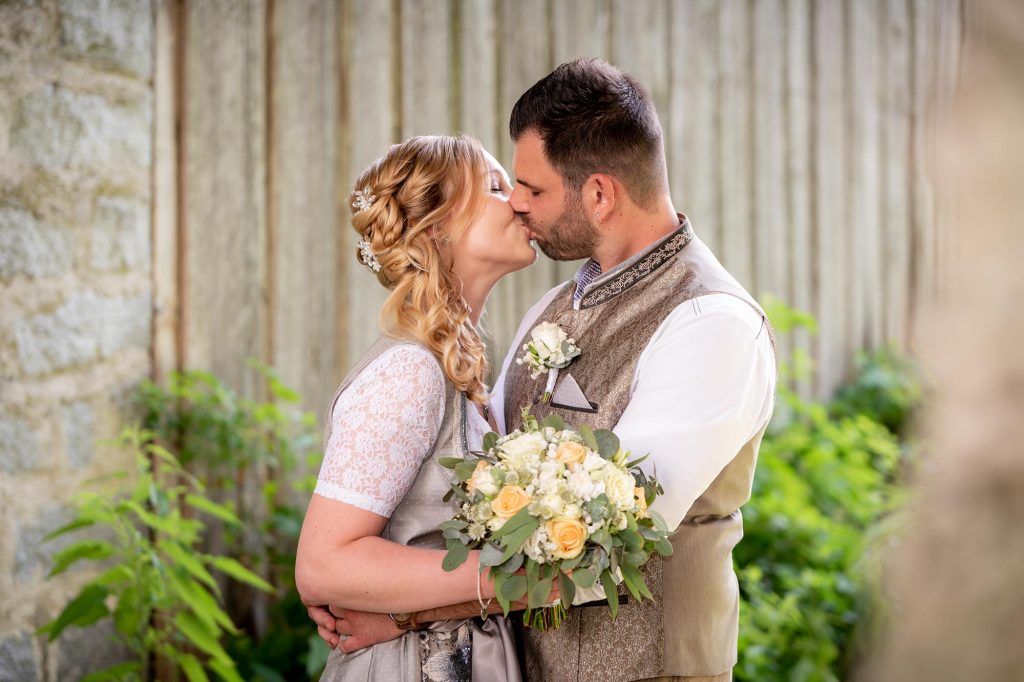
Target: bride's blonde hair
[{"x": 424, "y": 191}]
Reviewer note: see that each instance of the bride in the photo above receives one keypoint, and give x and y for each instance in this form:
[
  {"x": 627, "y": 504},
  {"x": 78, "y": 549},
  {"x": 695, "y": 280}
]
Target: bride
[{"x": 437, "y": 230}]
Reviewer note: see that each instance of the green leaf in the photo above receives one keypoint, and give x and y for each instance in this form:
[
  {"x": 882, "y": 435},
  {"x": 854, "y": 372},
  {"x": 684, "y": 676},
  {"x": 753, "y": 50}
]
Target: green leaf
[
  {"x": 513, "y": 564},
  {"x": 456, "y": 556},
  {"x": 514, "y": 587},
  {"x": 583, "y": 578},
  {"x": 610, "y": 593},
  {"x": 130, "y": 615},
  {"x": 539, "y": 593},
  {"x": 635, "y": 462},
  {"x": 241, "y": 573},
  {"x": 114, "y": 576},
  {"x": 192, "y": 668},
  {"x": 450, "y": 462},
  {"x": 659, "y": 521},
  {"x": 67, "y": 528},
  {"x": 572, "y": 563},
  {"x": 589, "y": 439},
  {"x": 188, "y": 561},
  {"x": 635, "y": 581},
  {"x": 85, "y": 609},
  {"x": 226, "y": 671},
  {"x": 631, "y": 539},
  {"x": 607, "y": 443},
  {"x": 514, "y": 541},
  {"x": 114, "y": 672},
  {"x": 202, "y": 604},
  {"x": 521, "y": 518},
  {"x": 491, "y": 555},
  {"x": 499, "y": 579},
  {"x": 464, "y": 470},
  {"x": 86, "y": 549},
  {"x": 213, "y": 509},
  {"x": 490, "y": 440},
  {"x": 553, "y": 421},
  {"x": 664, "y": 547},
  {"x": 200, "y": 635},
  {"x": 567, "y": 589}
]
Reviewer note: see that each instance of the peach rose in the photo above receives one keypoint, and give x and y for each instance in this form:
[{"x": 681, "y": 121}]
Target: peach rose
[
  {"x": 569, "y": 536},
  {"x": 509, "y": 501},
  {"x": 571, "y": 452},
  {"x": 641, "y": 503}
]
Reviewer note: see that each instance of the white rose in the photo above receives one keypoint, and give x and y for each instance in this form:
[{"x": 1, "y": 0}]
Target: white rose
[
  {"x": 520, "y": 447},
  {"x": 548, "y": 337},
  {"x": 619, "y": 488},
  {"x": 495, "y": 523}
]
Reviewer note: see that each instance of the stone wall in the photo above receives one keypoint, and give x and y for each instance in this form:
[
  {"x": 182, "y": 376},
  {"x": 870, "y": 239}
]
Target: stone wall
[{"x": 76, "y": 101}]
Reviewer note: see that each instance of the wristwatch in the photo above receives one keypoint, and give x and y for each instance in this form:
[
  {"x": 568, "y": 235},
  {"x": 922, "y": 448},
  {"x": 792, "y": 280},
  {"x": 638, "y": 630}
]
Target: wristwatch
[{"x": 404, "y": 621}]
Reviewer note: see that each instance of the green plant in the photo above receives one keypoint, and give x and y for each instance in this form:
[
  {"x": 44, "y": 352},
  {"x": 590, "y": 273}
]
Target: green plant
[
  {"x": 886, "y": 387},
  {"x": 166, "y": 600},
  {"x": 250, "y": 453},
  {"x": 828, "y": 476}
]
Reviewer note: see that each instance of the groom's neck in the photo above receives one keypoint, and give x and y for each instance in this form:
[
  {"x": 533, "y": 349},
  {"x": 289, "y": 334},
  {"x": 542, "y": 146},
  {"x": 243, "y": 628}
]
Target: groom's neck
[{"x": 630, "y": 230}]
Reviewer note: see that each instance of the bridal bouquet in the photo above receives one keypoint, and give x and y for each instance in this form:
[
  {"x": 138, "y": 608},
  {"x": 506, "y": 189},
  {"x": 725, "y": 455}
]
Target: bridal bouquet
[{"x": 548, "y": 504}]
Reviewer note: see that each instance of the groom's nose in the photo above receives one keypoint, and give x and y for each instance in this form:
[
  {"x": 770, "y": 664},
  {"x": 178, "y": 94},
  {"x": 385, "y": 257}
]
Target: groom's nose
[{"x": 518, "y": 200}]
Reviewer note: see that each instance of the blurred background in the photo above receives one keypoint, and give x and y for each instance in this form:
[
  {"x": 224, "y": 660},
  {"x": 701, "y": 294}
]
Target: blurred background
[{"x": 176, "y": 254}]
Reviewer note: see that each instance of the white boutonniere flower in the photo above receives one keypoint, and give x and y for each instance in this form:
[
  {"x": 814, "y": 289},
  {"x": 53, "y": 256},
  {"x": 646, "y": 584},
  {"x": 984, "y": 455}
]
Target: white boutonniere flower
[{"x": 548, "y": 350}]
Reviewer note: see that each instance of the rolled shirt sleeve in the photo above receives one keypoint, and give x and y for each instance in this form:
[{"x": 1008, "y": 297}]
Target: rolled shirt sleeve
[{"x": 703, "y": 387}]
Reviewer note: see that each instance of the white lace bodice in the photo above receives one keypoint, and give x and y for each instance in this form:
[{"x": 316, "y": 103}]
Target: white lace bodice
[{"x": 383, "y": 426}]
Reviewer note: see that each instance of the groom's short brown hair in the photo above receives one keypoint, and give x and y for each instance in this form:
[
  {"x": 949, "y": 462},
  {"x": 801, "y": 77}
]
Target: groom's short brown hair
[{"x": 593, "y": 118}]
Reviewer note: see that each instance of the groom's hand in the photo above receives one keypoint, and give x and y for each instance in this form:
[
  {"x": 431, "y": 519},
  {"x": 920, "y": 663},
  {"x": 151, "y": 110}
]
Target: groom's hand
[{"x": 359, "y": 629}]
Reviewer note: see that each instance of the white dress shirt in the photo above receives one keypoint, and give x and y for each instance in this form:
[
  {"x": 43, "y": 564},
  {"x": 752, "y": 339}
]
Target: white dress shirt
[{"x": 703, "y": 386}]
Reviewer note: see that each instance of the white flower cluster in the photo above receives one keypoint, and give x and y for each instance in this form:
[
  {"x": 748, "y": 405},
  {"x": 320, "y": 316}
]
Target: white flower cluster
[
  {"x": 549, "y": 347},
  {"x": 571, "y": 490}
]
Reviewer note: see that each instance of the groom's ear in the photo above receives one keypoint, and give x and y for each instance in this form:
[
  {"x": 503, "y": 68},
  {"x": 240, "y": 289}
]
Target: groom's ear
[{"x": 599, "y": 195}]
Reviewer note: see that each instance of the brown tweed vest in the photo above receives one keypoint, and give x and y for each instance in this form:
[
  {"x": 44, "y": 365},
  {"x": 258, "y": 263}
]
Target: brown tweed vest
[{"x": 690, "y": 629}]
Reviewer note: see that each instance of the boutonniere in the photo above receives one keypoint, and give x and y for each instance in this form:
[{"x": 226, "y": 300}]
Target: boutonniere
[{"x": 548, "y": 350}]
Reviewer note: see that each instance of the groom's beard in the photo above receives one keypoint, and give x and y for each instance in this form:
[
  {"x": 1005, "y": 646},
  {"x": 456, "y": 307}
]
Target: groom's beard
[{"x": 570, "y": 237}]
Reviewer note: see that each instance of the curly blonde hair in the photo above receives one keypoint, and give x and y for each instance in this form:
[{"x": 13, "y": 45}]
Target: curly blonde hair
[{"x": 426, "y": 190}]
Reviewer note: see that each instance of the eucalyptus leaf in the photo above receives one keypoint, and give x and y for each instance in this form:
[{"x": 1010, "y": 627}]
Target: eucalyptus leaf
[
  {"x": 553, "y": 421},
  {"x": 491, "y": 555},
  {"x": 567, "y": 588},
  {"x": 513, "y": 564},
  {"x": 583, "y": 578},
  {"x": 589, "y": 439},
  {"x": 539, "y": 593},
  {"x": 514, "y": 588},
  {"x": 490, "y": 440},
  {"x": 607, "y": 443},
  {"x": 450, "y": 462},
  {"x": 456, "y": 556},
  {"x": 610, "y": 593}
]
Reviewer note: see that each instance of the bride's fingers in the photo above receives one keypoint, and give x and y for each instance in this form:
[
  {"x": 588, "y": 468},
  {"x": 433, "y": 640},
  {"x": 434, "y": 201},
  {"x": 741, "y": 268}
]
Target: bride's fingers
[{"x": 321, "y": 617}]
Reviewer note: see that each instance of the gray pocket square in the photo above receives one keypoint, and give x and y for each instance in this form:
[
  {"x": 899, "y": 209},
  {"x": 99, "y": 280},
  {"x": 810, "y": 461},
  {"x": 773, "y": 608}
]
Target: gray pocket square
[{"x": 568, "y": 394}]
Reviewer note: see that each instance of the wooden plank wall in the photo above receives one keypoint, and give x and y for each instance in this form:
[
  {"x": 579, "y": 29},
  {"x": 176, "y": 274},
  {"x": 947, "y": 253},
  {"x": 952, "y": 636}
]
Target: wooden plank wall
[{"x": 799, "y": 136}]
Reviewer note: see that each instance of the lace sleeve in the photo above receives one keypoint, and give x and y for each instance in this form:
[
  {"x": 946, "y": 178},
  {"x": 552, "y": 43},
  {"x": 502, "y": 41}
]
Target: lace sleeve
[{"x": 383, "y": 425}]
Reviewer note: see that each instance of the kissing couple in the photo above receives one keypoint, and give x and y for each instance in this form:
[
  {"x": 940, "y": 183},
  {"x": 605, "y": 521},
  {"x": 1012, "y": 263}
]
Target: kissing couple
[{"x": 675, "y": 356}]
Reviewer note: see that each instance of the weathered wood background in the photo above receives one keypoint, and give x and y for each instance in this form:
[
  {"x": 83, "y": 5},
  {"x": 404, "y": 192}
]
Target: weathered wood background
[{"x": 799, "y": 137}]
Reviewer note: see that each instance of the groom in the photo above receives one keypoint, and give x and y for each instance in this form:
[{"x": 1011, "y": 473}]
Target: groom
[{"x": 676, "y": 357}]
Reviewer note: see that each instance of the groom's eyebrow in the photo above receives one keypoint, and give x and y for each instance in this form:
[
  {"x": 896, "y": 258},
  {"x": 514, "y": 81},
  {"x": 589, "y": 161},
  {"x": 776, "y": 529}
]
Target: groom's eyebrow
[{"x": 527, "y": 185}]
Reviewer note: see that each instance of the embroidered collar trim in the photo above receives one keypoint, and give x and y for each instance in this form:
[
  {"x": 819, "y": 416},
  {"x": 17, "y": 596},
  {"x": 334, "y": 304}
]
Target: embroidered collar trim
[{"x": 619, "y": 281}]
